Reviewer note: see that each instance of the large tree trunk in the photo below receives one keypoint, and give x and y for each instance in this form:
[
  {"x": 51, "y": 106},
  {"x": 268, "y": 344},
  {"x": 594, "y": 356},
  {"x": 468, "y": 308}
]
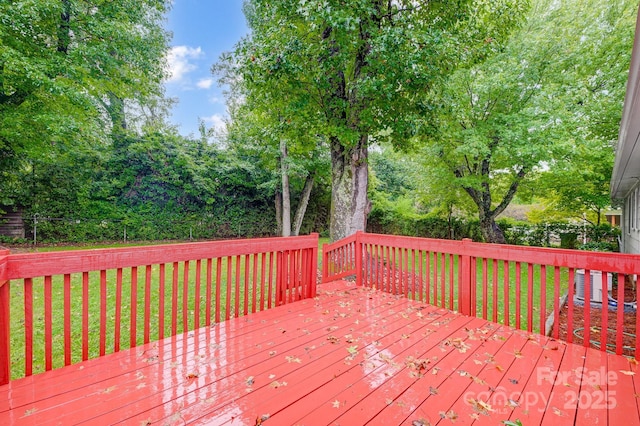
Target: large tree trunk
[
  {"x": 302, "y": 205},
  {"x": 286, "y": 194},
  {"x": 349, "y": 180},
  {"x": 491, "y": 232}
]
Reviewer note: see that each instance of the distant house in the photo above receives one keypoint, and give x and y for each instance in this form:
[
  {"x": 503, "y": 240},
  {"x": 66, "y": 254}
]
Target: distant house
[{"x": 625, "y": 181}]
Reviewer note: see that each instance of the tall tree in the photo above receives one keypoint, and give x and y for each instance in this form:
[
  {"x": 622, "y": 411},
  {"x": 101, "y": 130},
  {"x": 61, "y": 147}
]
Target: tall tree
[
  {"x": 67, "y": 66},
  {"x": 525, "y": 108},
  {"x": 352, "y": 71}
]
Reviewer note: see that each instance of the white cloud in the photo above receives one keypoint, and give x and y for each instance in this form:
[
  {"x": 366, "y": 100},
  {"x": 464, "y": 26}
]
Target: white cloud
[
  {"x": 216, "y": 121},
  {"x": 205, "y": 83},
  {"x": 179, "y": 61},
  {"x": 216, "y": 100}
]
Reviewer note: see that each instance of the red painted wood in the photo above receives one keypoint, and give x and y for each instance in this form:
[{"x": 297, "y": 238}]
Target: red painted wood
[
  {"x": 229, "y": 286},
  {"x": 530, "y": 297},
  {"x": 592, "y": 395},
  {"x": 67, "y": 319},
  {"x": 118, "y": 312},
  {"x": 133, "y": 319},
  {"x": 103, "y": 312},
  {"x": 604, "y": 312},
  {"x": 587, "y": 307},
  {"x": 620, "y": 312},
  {"x": 218, "y": 287},
  {"x": 198, "y": 284},
  {"x": 494, "y": 290},
  {"x": 185, "y": 296},
  {"x": 5, "y": 324},
  {"x": 562, "y": 404},
  {"x": 556, "y": 302},
  {"x": 28, "y": 326},
  {"x": 485, "y": 291},
  {"x": 571, "y": 305},
  {"x": 58, "y": 263},
  {"x": 161, "y": 300},
  {"x": 620, "y": 408},
  {"x": 246, "y": 289},
  {"x": 174, "y": 299},
  {"x": 209, "y": 292},
  {"x": 48, "y": 338},
  {"x": 518, "y": 295},
  {"x": 254, "y": 287},
  {"x": 507, "y": 296},
  {"x": 543, "y": 299}
]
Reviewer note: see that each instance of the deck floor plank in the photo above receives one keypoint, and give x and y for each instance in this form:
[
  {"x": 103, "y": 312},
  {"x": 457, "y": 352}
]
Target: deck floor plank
[{"x": 349, "y": 356}]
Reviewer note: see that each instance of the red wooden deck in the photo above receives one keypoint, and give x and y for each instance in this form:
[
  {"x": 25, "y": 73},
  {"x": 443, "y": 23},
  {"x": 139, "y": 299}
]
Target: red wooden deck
[{"x": 350, "y": 356}]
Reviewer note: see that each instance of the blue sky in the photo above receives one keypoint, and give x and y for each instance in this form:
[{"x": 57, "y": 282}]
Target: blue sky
[{"x": 202, "y": 30}]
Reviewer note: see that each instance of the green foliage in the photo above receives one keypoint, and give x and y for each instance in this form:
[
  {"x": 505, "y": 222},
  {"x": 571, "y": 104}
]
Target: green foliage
[{"x": 550, "y": 99}]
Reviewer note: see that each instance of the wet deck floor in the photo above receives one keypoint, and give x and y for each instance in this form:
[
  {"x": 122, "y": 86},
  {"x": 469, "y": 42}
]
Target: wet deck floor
[{"x": 351, "y": 356}]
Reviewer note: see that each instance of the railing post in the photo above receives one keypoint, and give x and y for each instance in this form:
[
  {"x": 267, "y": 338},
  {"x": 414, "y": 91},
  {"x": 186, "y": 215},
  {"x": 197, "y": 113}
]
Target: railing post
[
  {"x": 464, "y": 286},
  {"x": 358, "y": 255},
  {"x": 313, "y": 266},
  {"x": 5, "y": 337}
]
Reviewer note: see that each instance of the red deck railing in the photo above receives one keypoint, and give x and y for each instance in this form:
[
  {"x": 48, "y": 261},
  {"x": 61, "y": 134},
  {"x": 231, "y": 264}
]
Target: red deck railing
[
  {"x": 518, "y": 286},
  {"x": 65, "y": 307}
]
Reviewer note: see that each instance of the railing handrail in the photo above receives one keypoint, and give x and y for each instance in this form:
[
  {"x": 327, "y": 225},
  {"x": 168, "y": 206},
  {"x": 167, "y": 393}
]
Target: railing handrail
[
  {"x": 28, "y": 265},
  {"x": 620, "y": 262}
]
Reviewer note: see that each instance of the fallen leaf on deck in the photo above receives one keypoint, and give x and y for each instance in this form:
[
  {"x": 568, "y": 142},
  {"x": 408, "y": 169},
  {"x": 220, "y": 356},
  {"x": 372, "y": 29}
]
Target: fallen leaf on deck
[
  {"x": 277, "y": 384},
  {"x": 110, "y": 389},
  {"x": 335, "y": 404},
  {"x": 249, "y": 381},
  {"x": 261, "y": 419},
  {"x": 192, "y": 376},
  {"x": 628, "y": 372},
  {"x": 558, "y": 412},
  {"x": 291, "y": 359},
  {"x": 451, "y": 415},
  {"x": 514, "y": 381},
  {"x": 420, "y": 422},
  {"x": 272, "y": 353},
  {"x": 272, "y": 376},
  {"x": 30, "y": 411},
  {"x": 518, "y": 354},
  {"x": 433, "y": 391}
]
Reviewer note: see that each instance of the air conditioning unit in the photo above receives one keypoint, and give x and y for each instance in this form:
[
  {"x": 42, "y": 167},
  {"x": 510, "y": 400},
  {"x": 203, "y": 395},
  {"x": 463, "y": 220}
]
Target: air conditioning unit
[{"x": 595, "y": 287}]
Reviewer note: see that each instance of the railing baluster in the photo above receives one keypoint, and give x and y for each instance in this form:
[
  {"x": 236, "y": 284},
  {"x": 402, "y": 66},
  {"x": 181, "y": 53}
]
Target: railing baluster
[
  {"x": 506, "y": 272},
  {"x": 85, "y": 316},
  {"x": 451, "y": 282},
  {"x": 556, "y": 302},
  {"x": 529, "y": 297},
  {"x": 543, "y": 299},
  {"x": 103, "y": 312},
  {"x": 518, "y": 294},
  {"x": 270, "y": 280},
  {"x": 604, "y": 328},
  {"x": 174, "y": 298},
  {"x": 587, "y": 308},
  {"x": 161, "y": 293},
  {"x": 485, "y": 289},
  {"x": 209, "y": 292},
  {"x": 254, "y": 290},
  {"x": 570, "y": 305},
  {"x": 218, "y": 287},
  {"x": 622, "y": 283},
  {"x": 229, "y": 285},
  {"x": 147, "y": 304},
  {"x": 185, "y": 296},
  {"x": 198, "y": 283},
  {"x": 48, "y": 337},
  {"x": 118, "y": 313},
  {"x": 494, "y": 291},
  {"x": 67, "y": 319},
  {"x": 246, "y": 285},
  {"x": 236, "y": 312},
  {"x": 28, "y": 326}
]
